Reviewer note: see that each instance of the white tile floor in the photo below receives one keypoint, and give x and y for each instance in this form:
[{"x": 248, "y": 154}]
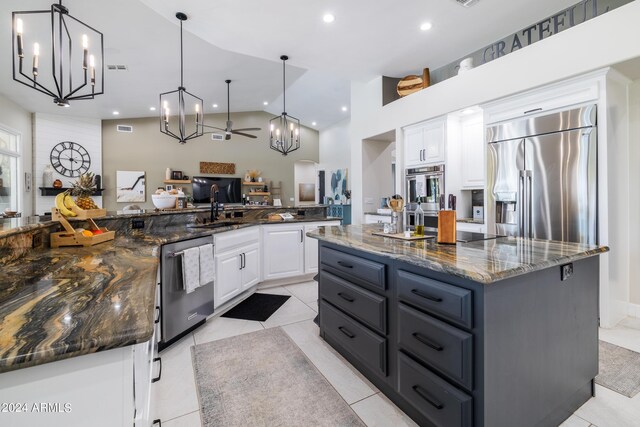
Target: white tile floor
[{"x": 176, "y": 402}]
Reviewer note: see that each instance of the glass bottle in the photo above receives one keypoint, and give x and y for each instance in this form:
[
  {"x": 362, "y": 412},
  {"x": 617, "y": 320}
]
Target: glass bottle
[{"x": 419, "y": 219}]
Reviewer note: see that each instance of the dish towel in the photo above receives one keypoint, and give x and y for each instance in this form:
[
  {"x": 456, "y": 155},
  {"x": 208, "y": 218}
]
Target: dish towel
[
  {"x": 191, "y": 269},
  {"x": 207, "y": 272}
]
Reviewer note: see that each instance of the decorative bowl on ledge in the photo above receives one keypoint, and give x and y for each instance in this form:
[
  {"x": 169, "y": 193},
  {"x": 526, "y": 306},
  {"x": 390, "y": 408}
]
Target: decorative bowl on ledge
[{"x": 164, "y": 201}]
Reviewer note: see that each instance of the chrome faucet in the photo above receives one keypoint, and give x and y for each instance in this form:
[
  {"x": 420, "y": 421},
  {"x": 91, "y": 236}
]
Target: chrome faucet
[{"x": 213, "y": 195}]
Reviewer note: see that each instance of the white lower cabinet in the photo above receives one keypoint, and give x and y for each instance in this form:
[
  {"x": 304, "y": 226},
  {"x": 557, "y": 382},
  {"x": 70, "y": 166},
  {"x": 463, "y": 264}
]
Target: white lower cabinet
[
  {"x": 237, "y": 263},
  {"x": 282, "y": 250},
  {"x": 251, "y": 266},
  {"x": 377, "y": 219},
  {"x": 311, "y": 246},
  {"x": 108, "y": 388}
]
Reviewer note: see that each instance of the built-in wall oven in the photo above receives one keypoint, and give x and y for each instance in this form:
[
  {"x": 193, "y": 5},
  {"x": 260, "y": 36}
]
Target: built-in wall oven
[{"x": 428, "y": 184}]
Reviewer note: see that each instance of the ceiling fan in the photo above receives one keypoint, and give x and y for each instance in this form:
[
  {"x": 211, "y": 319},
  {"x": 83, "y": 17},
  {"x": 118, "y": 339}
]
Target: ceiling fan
[{"x": 229, "y": 130}]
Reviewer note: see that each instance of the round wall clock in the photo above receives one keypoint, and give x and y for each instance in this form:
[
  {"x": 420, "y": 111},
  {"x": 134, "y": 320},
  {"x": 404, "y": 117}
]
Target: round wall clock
[{"x": 70, "y": 159}]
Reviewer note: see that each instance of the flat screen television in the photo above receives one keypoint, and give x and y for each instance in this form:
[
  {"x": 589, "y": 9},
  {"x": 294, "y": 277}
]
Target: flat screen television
[{"x": 230, "y": 190}]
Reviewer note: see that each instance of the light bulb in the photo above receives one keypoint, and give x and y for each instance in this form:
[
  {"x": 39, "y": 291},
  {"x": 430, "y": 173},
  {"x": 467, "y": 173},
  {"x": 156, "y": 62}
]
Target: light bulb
[
  {"x": 197, "y": 108},
  {"x": 272, "y": 127},
  {"x": 291, "y": 126},
  {"x": 36, "y": 49},
  {"x": 85, "y": 42},
  {"x": 166, "y": 104},
  {"x": 19, "y": 26},
  {"x": 92, "y": 61}
]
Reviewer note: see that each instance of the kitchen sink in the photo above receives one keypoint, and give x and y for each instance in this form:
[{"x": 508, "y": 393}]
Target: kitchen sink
[{"x": 213, "y": 224}]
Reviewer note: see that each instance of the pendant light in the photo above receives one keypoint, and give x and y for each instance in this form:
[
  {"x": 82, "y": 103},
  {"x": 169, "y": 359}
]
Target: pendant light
[
  {"x": 183, "y": 100},
  {"x": 66, "y": 34},
  {"x": 284, "y": 130}
]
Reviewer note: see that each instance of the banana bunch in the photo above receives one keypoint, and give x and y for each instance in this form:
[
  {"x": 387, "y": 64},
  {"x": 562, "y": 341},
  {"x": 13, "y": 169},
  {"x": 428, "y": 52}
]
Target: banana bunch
[{"x": 65, "y": 204}]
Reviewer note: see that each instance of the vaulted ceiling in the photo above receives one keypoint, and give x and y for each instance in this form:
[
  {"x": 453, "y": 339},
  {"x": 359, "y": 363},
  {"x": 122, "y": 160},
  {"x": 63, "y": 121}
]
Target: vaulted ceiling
[{"x": 242, "y": 40}]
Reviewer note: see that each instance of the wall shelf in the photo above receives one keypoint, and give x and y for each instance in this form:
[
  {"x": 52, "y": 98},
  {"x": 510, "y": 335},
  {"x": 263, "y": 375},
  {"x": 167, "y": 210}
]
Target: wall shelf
[
  {"x": 256, "y": 193},
  {"x": 254, "y": 184},
  {"x": 50, "y": 191},
  {"x": 177, "y": 181}
]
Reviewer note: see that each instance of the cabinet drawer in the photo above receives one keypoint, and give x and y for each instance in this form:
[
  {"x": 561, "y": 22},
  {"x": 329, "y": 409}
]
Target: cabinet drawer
[
  {"x": 368, "y": 307},
  {"x": 442, "y": 346},
  {"x": 365, "y": 345},
  {"x": 440, "y": 402},
  {"x": 231, "y": 239},
  {"x": 441, "y": 299},
  {"x": 360, "y": 268}
]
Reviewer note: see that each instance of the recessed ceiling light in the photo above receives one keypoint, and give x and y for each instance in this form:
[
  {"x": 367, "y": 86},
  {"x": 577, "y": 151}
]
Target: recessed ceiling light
[
  {"x": 328, "y": 18},
  {"x": 215, "y": 105},
  {"x": 265, "y": 103},
  {"x": 426, "y": 26},
  {"x": 116, "y": 113},
  {"x": 344, "y": 108},
  {"x": 313, "y": 123},
  {"x": 152, "y": 108}
]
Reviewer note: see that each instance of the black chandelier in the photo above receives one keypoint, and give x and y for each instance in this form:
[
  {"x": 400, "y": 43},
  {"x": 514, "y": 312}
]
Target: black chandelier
[
  {"x": 165, "y": 104},
  {"x": 284, "y": 134},
  {"x": 66, "y": 31}
]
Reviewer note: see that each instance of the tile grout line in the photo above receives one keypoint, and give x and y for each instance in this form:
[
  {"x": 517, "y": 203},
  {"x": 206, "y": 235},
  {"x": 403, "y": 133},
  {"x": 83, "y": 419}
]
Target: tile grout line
[
  {"x": 183, "y": 415},
  {"x": 365, "y": 398}
]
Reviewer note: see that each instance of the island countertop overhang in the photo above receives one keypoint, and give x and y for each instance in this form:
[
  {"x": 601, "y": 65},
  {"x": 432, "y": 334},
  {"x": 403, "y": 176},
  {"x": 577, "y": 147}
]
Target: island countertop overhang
[{"x": 485, "y": 261}]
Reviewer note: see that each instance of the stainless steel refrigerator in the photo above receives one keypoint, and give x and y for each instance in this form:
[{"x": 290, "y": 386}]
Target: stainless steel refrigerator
[{"x": 542, "y": 177}]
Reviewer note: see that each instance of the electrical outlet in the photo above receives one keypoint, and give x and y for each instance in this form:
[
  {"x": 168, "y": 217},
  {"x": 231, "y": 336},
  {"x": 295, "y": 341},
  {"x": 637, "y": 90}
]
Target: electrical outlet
[
  {"x": 36, "y": 240},
  {"x": 137, "y": 223},
  {"x": 566, "y": 271}
]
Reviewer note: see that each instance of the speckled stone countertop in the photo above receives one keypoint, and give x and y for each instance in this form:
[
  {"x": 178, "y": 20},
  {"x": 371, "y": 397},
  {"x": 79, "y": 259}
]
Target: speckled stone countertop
[
  {"x": 484, "y": 261},
  {"x": 66, "y": 302}
]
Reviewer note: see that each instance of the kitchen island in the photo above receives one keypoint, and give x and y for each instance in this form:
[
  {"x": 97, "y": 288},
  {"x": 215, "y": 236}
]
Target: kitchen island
[{"x": 496, "y": 332}]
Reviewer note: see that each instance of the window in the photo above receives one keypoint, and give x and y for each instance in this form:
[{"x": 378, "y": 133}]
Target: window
[{"x": 9, "y": 165}]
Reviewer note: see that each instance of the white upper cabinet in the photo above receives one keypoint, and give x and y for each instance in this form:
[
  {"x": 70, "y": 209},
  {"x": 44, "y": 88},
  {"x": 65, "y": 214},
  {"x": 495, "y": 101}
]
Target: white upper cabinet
[
  {"x": 424, "y": 144},
  {"x": 473, "y": 153}
]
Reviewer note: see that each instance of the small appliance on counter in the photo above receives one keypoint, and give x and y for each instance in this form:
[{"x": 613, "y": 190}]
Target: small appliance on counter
[{"x": 478, "y": 213}]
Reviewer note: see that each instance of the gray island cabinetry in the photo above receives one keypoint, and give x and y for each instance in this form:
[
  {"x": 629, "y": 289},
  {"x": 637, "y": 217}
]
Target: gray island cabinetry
[{"x": 485, "y": 333}]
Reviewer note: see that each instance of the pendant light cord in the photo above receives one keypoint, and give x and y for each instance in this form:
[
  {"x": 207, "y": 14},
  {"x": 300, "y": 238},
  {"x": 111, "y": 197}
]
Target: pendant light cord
[
  {"x": 228, "y": 102},
  {"x": 181, "y": 58},
  {"x": 284, "y": 89}
]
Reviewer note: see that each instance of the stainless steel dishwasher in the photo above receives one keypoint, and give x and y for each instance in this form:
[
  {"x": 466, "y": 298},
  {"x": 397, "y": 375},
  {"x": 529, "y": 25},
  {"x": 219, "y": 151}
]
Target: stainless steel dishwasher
[{"x": 181, "y": 312}]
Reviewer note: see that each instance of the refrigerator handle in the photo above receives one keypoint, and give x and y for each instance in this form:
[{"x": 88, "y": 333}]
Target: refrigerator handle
[
  {"x": 522, "y": 204},
  {"x": 529, "y": 176}
]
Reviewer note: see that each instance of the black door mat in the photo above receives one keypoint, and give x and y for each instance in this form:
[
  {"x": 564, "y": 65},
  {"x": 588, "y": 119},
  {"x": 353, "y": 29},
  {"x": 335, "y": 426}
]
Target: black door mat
[{"x": 257, "y": 307}]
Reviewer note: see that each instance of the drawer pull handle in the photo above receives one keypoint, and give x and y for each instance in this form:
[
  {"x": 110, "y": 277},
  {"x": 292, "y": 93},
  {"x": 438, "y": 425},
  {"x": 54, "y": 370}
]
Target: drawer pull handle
[
  {"x": 157, "y": 315},
  {"x": 426, "y": 341},
  {"x": 345, "y": 297},
  {"x": 155, "y": 380},
  {"x": 158, "y": 422},
  {"x": 426, "y": 296},
  {"x": 423, "y": 394},
  {"x": 346, "y": 332},
  {"x": 344, "y": 264}
]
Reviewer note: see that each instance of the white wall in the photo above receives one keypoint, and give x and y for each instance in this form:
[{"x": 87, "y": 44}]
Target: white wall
[
  {"x": 634, "y": 202},
  {"x": 51, "y": 129},
  {"x": 305, "y": 172},
  {"x": 335, "y": 152},
  {"x": 606, "y": 40},
  {"x": 376, "y": 172},
  {"x": 18, "y": 119}
]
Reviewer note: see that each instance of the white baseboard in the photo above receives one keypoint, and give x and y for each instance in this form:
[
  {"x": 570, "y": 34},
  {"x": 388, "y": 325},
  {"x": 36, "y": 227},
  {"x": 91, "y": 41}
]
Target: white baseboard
[{"x": 633, "y": 310}]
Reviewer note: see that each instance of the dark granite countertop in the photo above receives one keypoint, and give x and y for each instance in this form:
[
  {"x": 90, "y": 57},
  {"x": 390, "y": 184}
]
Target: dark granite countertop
[
  {"x": 484, "y": 261},
  {"x": 66, "y": 302}
]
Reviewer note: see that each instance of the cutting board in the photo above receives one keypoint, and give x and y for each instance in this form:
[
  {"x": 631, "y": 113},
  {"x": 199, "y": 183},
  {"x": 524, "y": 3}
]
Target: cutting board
[{"x": 447, "y": 227}]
